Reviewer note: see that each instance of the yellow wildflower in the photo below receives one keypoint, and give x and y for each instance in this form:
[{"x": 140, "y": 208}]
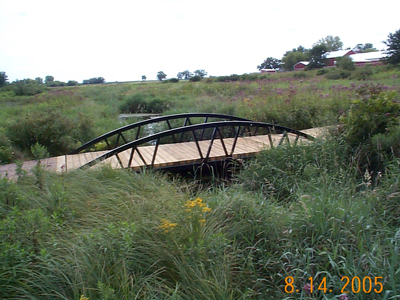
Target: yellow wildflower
[
  {"x": 83, "y": 298},
  {"x": 167, "y": 225},
  {"x": 202, "y": 221},
  {"x": 206, "y": 209}
]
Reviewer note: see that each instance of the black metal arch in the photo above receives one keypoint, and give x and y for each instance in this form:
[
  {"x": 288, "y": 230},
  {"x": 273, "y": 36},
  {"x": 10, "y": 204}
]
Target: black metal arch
[
  {"x": 220, "y": 130},
  {"x": 118, "y": 135}
]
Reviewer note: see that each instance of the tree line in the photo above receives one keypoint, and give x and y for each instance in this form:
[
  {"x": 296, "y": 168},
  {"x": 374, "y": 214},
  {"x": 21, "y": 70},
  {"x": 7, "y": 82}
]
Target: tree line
[
  {"x": 316, "y": 56},
  {"x": 187, "y": 75},
  {"x": 35, "y": 86}
]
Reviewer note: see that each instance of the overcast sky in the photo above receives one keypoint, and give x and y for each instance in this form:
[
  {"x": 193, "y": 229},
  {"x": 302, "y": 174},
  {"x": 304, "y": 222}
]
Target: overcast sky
[{"x": 122, "y": 40}]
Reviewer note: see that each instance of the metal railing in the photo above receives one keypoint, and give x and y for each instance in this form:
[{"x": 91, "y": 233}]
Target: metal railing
[
  {"x": 199, "y": 132},
  {"x": 120, "y": 136}
]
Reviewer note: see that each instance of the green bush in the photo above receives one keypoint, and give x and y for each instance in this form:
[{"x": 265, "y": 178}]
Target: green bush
[
  {"x": 346, "y": 63},
  {"x": 362, "y": 73},
  {"x": 49, "y": 128},
  {"x": 134, "y": 104},
  {"x": 322, "y": 71},
  {"x": 27, "y": 87},
  {"x": 6, "y": 152},
  {"x": 142, "y": 103},
  {"x": 333, "y": 75},
  {"x": 337, "y": 74},
  {"x": 72, "y": 83},
  {"x": 371, "y": 124},
  {"x": 195, "y": 78}
]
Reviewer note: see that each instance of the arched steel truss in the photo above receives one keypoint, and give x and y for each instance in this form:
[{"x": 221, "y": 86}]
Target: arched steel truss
[
  {"x": 210, "y": 131},
  {"x": 132, "y": 132}
]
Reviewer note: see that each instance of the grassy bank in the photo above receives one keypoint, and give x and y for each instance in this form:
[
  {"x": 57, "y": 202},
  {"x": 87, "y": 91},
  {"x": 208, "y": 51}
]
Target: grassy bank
[{"x": 110, "y": 234}]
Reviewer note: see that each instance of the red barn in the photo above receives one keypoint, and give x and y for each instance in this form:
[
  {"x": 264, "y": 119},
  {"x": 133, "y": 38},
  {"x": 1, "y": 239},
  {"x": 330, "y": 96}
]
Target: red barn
[
  {"x": 334, "y": 55},
  {"x": 300, "y": 65}
]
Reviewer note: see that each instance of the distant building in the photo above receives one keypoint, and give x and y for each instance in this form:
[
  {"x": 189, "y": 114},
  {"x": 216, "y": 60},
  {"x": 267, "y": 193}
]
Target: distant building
[
  {"x": 370, "y": 58},
  {"x": 300, "y": 65},
  {"x": 359, "y": 59},
  {"x": 334, "y": 55},
  {"x": 269, "y": 71}
]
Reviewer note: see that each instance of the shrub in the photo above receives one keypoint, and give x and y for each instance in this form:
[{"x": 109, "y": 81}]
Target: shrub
[
  {"x": 322, "y": 71},
  {"x": 49, "y": 128},
  {"x": 346, "y": 63},
  {"x": 195, "y": 78},
  {"x": 72, "y": 83},
  {"x": 362, "y": 73},
  {"x": 142, "y": 103},
  {"x": 337, "y": 74},
  {"x": 27, "y": 87},
  {"x": 333, "y": 75},
  {"x": 174, "y": 80},
  {"x": 39, "y": 151},
  {"x": 372, "y": 122},
  {"x": 135, "y": 104},
  {"x": 6, "y": 152}
]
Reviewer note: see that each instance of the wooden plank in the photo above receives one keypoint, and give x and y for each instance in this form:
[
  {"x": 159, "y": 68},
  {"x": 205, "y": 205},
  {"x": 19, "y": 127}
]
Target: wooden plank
[
  {"x": 166, "y": 156},
  {"x": 173, "y": 151},
  {"x": 149, "y": 151},
  {"x": 189, "y": 150}
]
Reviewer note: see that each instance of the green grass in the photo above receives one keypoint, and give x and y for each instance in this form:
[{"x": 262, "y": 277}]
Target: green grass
[
  {"x": 305, "y": 211},
  {"x": 99, "y": 233}
]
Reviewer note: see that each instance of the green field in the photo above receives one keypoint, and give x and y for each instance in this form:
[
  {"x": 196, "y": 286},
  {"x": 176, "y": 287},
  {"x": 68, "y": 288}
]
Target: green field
[{"x": 327, "y": 212}]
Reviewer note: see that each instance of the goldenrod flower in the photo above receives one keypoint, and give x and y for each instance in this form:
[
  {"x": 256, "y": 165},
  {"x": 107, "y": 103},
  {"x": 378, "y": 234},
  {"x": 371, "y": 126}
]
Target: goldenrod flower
[
  {"x": 206, "y": 209},
  {"x": 167, "y": 225}
]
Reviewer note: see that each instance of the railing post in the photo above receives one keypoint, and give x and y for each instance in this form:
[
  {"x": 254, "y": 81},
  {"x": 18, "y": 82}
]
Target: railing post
[{"x": 155, "y": 152}]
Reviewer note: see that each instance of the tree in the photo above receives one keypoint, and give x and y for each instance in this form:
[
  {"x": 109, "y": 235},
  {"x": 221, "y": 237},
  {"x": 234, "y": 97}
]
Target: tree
[
  {"x": 345, "y": 63},
  {"x": 39, "y": 80},
  {"x": 317, "y": 56},
  {"x": 94, "y": 80},
  {"x": 331, "y": 43},
  {"x": 270, "y": 63},
  {"x": 72, "y": 83},
  {"x": 185, "y": 75},
  {"x": 393, "y": 50},
  {"x": 48, "y": 79},
  {"x": 290, "y": 58},
  {"x": 368, "y": 47},
  {"x": 144, "y": 77},
  {"x": 161, "y": 75},
  {"x": 202, "y": 73},
  {"x": 3, "y": 79}
]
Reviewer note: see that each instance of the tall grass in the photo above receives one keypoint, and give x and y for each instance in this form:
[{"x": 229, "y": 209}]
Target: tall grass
[{"x": 109, "y": 234}]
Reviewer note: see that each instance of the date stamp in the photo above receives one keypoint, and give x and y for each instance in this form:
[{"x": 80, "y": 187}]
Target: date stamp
[{"x": 350, "y": 284}]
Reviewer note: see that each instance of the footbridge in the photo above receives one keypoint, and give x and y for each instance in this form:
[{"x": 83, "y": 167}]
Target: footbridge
[{"x": 174, "y": 141}]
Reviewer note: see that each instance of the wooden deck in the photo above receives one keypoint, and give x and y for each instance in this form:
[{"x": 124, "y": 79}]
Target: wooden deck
[{"x": 168, "y": 155}]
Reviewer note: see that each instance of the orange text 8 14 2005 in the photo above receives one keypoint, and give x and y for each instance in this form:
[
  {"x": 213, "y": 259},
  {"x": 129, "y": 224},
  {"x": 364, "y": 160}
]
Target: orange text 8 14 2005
[{"x": 354, "y": 284}]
